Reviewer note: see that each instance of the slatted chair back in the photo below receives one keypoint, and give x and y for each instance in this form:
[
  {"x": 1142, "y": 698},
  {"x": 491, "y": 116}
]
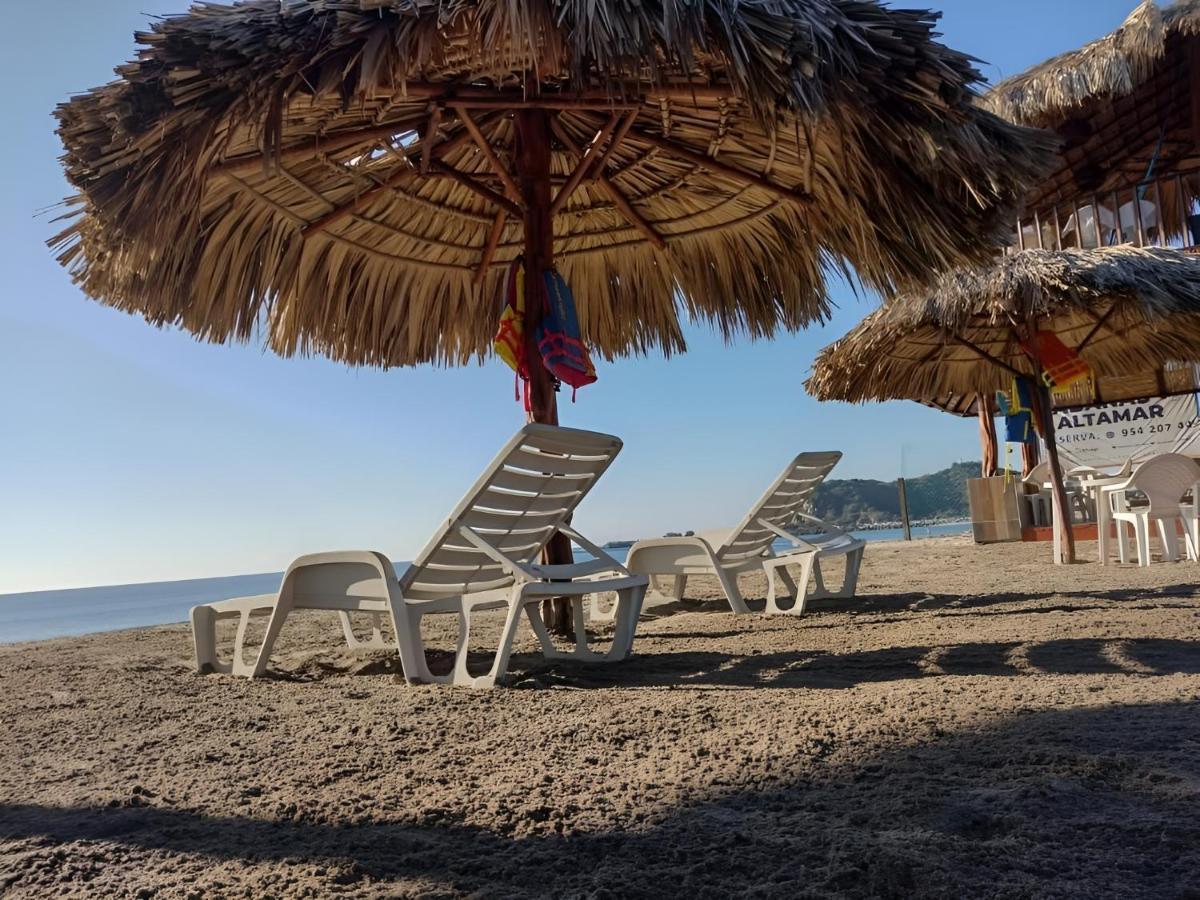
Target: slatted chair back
[
  {"x": 778, "y": 506},
  {"x": 530, "y": 489}
]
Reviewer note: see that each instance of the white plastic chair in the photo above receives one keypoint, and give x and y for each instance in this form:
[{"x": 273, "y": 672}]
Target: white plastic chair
[
  {"x": 1162, "y": 481},
  {"x": 484, "y": 556},
  {"x": 1041, "y": 504},
  {"x": 747, "y": 548}
]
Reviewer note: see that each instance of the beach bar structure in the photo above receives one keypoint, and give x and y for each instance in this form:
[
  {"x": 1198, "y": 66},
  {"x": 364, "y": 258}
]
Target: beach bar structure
[{"x": 1126, "y": 109}]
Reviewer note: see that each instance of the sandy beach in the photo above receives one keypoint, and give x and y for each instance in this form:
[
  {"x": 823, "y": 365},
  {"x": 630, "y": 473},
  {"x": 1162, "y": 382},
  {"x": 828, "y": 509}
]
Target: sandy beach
[{"x": 978, "y": 723}]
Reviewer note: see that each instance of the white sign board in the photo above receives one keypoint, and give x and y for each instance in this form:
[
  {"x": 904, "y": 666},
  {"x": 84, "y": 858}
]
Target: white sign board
[{"x": 1111, "y": 433}]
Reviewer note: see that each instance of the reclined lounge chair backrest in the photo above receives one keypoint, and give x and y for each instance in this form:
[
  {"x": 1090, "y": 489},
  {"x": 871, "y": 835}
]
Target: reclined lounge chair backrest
[
  {"x": 530, "y": 489},
  {"x": 1164, "y": 480},
  {"x": 779, "y": 505}
]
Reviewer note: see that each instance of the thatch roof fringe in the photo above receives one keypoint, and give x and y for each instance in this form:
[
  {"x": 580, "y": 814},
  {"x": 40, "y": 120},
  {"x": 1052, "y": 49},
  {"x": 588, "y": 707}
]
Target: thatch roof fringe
[
  {"x": 1109, "y": 67},
  {"x": 1140, "y": 307},
  {"x": 370, "y": 251}
]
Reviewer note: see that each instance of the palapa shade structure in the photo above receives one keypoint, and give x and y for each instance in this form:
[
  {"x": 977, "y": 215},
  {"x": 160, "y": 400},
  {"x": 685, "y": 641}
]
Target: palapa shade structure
[
  {"x": 354, "y": 176},
  {"x": 348, "y": 175},
  {"x": 1124, "y": 310},
  {"x": 1125, "y": 107}
]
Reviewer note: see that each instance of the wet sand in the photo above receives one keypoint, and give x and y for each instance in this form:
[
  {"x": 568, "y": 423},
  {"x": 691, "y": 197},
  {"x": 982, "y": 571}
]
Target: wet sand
[{"x": 977, "y": 723}]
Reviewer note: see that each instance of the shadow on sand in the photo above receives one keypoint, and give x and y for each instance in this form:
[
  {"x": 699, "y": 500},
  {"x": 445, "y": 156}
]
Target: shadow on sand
[
  {"x": 1079, "y": 803},
  {"x": 822, "y": 669}
]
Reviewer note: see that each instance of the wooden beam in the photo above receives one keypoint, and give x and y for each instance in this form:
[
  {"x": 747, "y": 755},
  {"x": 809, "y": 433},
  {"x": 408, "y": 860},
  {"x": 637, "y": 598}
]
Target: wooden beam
[
  {"x": 1100, "y": 321},
  {"x": 510, "y": 186},
  {"x": 401, "y": 174},
  {"x": 311, "y": 147},
  {"x": 581, "y": 168},
  {"x": 623, "y": 205},
  {"x": 429, "y": 138},
  {"x": 489, "y": 249},
  {"x": 364, "y": 199},
  {"x": 983, "y": 354},
  {"x": 597, "y": 168},
  {"x": 699, "y": 159},
  {"x": 471, "y": 184}
]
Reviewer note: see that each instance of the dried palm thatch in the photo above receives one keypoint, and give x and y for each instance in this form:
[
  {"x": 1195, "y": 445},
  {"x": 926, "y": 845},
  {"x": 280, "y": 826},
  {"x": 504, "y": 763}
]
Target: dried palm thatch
[
  {"x": 1128, "y": 311},
  {"x": 336, "y": 171},
  {"x": 1107, "y": 68}
]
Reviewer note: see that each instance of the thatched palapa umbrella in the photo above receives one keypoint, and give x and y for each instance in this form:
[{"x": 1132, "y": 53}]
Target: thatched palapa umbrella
[
  {"x": 352, "y": 177},
  {"x": 1121, "y": 309}
]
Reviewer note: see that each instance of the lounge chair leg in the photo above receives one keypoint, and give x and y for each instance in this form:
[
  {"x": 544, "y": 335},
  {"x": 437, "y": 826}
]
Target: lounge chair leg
[
  {"x": 788, "y": 584},
  {"x": 539, "y": 629},
  {"x": 375, "y": 641},
  {"x": 728, "y": 582},
  {"x": 204, "y": 638},
  {"x": 678, "y": 587},
  {"x": 629, "y": 610},
  {"x": 853, "y": 567},
  {"x": 799, "y": 588},
  {"x": 819, "y": 578},
  {"x": 406, "y": 626},
  {"x": 599, "y": 614},
  {"x": 503, "y": 650},
  {"x": 278, "y": 616}
]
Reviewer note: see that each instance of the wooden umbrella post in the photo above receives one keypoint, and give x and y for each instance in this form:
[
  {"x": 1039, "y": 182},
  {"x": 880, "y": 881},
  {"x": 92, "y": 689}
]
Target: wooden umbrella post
[
  {"x": 1064, "y": 543},
  {"x": 533, "y": 179},
  {"x": 987, "y": 436}
]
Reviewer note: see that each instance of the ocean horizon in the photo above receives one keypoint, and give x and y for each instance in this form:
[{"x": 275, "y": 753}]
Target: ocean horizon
[{"x": 70, "y": 612}]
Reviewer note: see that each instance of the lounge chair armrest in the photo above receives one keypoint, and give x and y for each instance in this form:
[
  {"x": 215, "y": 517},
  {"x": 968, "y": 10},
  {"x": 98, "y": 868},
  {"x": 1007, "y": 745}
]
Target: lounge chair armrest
[
  {"x": 599, "y": 552},
  {"x": 829, "y": 529}
]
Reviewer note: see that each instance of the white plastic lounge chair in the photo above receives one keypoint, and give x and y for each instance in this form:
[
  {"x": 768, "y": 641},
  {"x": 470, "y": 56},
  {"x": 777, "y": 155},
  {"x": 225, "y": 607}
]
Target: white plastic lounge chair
[
  {"x": 747, "y": 548},
  {"x": 1163, "y": 481},
  {"x": 484, "y": 556}
]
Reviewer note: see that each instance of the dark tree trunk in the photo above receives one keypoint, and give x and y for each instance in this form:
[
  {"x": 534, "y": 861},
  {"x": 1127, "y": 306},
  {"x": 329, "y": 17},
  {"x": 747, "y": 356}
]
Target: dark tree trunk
[{"x": 533, "y": 177}]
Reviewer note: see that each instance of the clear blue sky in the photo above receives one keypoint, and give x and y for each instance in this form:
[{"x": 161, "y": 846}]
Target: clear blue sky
[{"x": 132, "y": 454}]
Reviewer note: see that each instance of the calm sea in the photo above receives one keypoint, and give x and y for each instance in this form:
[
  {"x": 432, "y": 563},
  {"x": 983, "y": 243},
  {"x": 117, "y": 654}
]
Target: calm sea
[{"x": 47, "y": 614}]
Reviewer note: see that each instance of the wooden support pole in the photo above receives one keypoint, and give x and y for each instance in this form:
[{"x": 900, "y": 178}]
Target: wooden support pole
[
  {"x": 905, "y": 521},
  {"x": 987, "y": 436},
  {"x": 1043, "y": 409},
  {"x": 533, "y": 175}
]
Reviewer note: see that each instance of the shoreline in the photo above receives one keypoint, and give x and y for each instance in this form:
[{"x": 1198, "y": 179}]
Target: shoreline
[{"x": 47, "y": 615}]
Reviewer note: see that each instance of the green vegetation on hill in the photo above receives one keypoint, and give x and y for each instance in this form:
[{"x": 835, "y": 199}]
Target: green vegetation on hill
[{"x": 857, "y": 502}]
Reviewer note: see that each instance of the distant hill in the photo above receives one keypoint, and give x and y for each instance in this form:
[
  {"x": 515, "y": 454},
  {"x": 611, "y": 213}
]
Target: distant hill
[{"x": 857, "y": 502}]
